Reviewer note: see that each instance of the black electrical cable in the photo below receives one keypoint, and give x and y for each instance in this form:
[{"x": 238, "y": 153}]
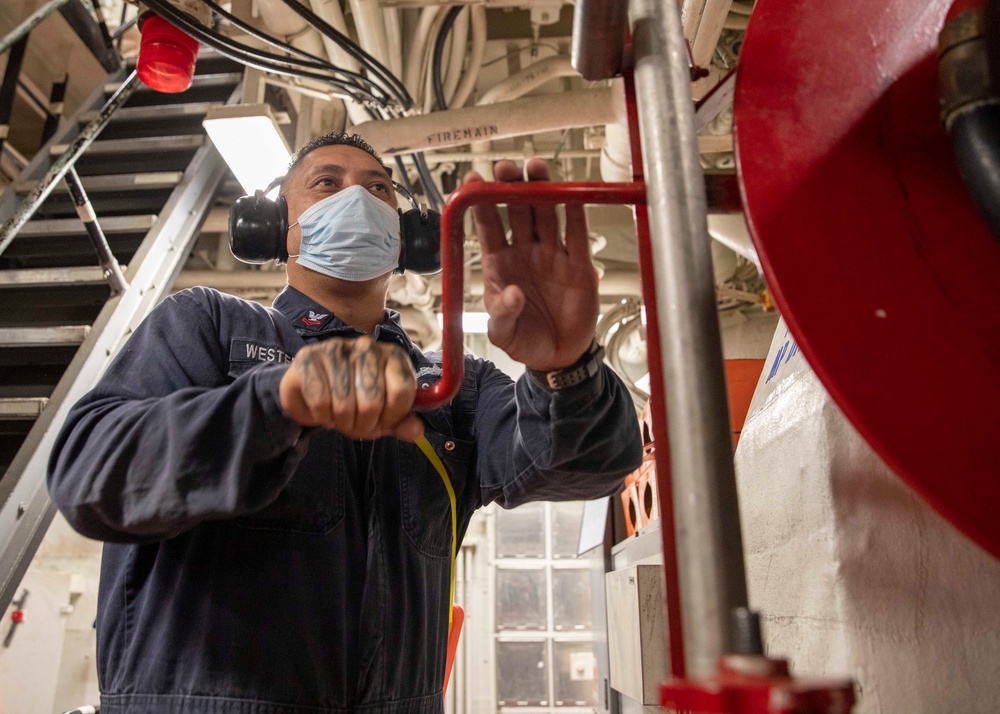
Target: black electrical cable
[
  {"x": 449, "y": 21},
  {"x": 369, "y": 62},
  {"x": 434, "y": 197},
  {"x": 403, "y": 178},
  {"x": 255, "y": 58},
  {"x": 291, "y": 49}
]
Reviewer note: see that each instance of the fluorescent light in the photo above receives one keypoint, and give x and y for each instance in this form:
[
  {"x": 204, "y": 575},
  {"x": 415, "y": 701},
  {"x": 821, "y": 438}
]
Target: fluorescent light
[
  {"x": 473, "y": 323},
  {"x": 249, "y": 140}
]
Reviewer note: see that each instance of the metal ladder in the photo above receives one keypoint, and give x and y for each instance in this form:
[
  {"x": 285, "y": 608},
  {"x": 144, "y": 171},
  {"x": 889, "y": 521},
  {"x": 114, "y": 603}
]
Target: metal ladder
[{"x": 151, "y": 177}]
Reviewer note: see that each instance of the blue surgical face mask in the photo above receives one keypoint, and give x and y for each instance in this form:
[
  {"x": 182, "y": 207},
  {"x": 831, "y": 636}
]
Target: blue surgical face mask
[{"x": 351, "y": 235}]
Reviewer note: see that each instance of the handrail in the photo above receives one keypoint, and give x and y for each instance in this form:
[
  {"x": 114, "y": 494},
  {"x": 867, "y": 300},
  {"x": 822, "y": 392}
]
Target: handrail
[
  {"x": 30, "y": 23},
  {"x": 62, "y": 165},
  {"x": 452, "y": 263}
]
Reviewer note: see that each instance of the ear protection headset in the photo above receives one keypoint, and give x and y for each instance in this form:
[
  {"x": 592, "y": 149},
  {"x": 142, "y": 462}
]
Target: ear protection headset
[{"x": 258, "y": 231}]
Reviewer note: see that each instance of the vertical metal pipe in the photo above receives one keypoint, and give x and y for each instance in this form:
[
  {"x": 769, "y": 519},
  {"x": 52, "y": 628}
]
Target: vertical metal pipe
[
  {"x": 85, "y": 210},
  {"x": 599, "y": 38},
  {"x": 60, "y": 166},
  {"x": 28, "y": 25},
  {"x": 709, "y": 543}
]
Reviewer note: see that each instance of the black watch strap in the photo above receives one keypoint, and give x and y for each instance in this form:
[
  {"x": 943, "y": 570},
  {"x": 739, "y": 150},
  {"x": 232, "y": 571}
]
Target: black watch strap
[{"x": 580, "y": 371}]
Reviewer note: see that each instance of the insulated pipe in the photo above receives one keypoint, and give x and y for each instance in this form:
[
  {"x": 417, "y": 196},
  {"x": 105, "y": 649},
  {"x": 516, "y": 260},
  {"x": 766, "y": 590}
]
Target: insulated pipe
[
  {"x": 709, "y": 31},
  {"x": 708, "y": 538},
  {"x": 599, "y": 38},
  {"x": 468, "y": 82},
  {"x": 290, "y": 26},
  {"x": 330, "y": 12},
  {"x": 517, "y": 85},
  {"x": 61, "y": 166},
  {"x": 691, "y": 12},
  {"x": 412, "y": 74},
  {"x": 456, "y": 127},
  {"x": 30, "y": 23},
  {"x": 459, "y": 39},
  {"x": 393, "y": 40},
  {"x": 370, "y": 24}
]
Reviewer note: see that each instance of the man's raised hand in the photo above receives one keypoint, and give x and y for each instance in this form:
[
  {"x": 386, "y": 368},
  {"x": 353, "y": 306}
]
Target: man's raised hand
[{"x": 540, "y": 292}]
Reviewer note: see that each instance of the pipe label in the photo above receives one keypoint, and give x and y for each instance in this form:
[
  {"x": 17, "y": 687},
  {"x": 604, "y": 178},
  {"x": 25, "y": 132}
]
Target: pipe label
[{"x": 472, "y": 133}]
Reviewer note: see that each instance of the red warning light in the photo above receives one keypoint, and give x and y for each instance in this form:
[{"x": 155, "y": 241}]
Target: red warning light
[{"x": 166, "y": 56}]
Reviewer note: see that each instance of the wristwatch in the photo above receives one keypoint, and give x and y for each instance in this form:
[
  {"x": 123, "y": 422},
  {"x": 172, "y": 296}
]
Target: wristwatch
[{"x": 580, "y": 371}]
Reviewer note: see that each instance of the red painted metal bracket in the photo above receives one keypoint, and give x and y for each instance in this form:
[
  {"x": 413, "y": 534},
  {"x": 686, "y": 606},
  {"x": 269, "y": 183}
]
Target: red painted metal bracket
[
  {"x": 757, "y": 685},
  {"x": 452, "y": 256}
]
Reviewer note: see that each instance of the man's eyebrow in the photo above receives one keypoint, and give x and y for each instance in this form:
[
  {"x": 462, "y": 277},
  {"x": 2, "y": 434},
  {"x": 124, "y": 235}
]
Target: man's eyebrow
[
  {"x": 339, "y": 170},
  {"x": 376, "y": 173},
  {"x": 326, "y": 169}
]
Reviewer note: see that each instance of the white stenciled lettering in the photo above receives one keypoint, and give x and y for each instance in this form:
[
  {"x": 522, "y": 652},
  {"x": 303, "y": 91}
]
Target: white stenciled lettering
[{"x": 249, "y": 351}]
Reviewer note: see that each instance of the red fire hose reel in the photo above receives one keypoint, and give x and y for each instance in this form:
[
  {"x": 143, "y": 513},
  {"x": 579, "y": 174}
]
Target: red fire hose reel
[{"x": 877, "y": 258}]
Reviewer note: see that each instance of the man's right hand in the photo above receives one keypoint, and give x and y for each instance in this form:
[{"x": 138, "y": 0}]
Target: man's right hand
[{"x": 361, "y": 388}]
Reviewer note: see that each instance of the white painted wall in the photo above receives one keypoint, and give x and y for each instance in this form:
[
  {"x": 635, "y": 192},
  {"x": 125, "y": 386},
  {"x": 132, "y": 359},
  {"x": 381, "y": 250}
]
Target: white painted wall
[
  {"x": 853, "y": 573},
  {"x": 50, "y": 665}
]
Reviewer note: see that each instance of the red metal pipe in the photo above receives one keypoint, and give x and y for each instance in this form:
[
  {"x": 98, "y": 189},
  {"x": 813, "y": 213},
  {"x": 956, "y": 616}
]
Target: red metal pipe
[{"x": 452, "y": 257}]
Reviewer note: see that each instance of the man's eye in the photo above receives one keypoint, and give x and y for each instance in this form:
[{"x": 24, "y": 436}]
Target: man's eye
[{"x": 381, "y": 187}]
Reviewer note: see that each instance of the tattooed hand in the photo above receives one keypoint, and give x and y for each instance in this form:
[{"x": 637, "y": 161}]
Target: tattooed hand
[{"x": 361, "y": 388}]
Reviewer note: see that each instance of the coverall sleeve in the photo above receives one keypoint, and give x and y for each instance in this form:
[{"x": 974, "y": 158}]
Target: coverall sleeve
[
  {"x": 536, "y": 445},
  {"x": 166, "y": 440}
]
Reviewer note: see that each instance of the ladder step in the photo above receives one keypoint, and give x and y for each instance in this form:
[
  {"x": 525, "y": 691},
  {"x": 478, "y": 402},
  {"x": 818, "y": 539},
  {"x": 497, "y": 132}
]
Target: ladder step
[
  {"x": 51, "y": 277},
  {"x": 115, "y": 182},
  {"x": 57, "y": 336},
  {"x": 21, "y": 408},
  {"x": 224, "y": 79},
  {"x": 172, "y": 111},
  {"x": 151, "y": 144},
  {"x": 72, "y": 226}
]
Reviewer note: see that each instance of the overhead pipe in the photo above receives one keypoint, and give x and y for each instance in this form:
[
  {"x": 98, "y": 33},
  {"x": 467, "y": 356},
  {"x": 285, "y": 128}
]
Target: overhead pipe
[
  {"x": 517, "y": 85},
  {"x": 970, "y": 107},
  {"x": 599, "y": 38},
  {"x": 457, "y": 127},
  {"x": 459, "y": 40},
  {"x": 468, "y": 82},
  {"x": 330, "y": 12},
  {"x": 290, "y": 27},
  {"x": 706, "y": 39},
  {"x": 393, "y": 40},
  {"x": 59, "y": 168},
  {"x": 412, "y": 73},
  {"x": 709, "y": 543},
  {"x": 370, "y": 24}
]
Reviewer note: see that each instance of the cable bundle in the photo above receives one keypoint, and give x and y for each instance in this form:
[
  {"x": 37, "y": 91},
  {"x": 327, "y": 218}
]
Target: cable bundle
[{"x": 377, "y": 89}]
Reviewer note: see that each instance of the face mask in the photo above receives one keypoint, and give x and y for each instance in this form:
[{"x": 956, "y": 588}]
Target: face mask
[{"x": 351, "y": 235}]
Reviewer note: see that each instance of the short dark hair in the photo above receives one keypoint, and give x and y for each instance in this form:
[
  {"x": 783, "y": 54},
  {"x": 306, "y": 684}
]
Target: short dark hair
[{"x": 335, "y": 138}]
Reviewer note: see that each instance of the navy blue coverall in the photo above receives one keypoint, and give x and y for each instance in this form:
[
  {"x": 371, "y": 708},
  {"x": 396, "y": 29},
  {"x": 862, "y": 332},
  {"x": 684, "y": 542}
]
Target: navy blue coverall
[{"x": 256, "y": 567}]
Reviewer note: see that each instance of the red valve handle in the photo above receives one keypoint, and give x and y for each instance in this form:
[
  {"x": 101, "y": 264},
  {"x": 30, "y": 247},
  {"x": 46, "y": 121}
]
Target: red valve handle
[{"x": 453, "y": 257}]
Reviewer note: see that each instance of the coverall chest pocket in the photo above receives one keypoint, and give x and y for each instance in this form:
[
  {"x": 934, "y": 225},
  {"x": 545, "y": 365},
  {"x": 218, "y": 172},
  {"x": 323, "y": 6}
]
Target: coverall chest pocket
[
  {"x": 313, "y": 500},
  {"x": 424, "y": 503}
]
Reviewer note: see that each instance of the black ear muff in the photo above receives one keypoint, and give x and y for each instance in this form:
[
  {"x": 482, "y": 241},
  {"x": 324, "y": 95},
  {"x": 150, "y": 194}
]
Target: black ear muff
[
  {"x": 420, "y": 231},
  {"x": 258, "y": 229}
]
